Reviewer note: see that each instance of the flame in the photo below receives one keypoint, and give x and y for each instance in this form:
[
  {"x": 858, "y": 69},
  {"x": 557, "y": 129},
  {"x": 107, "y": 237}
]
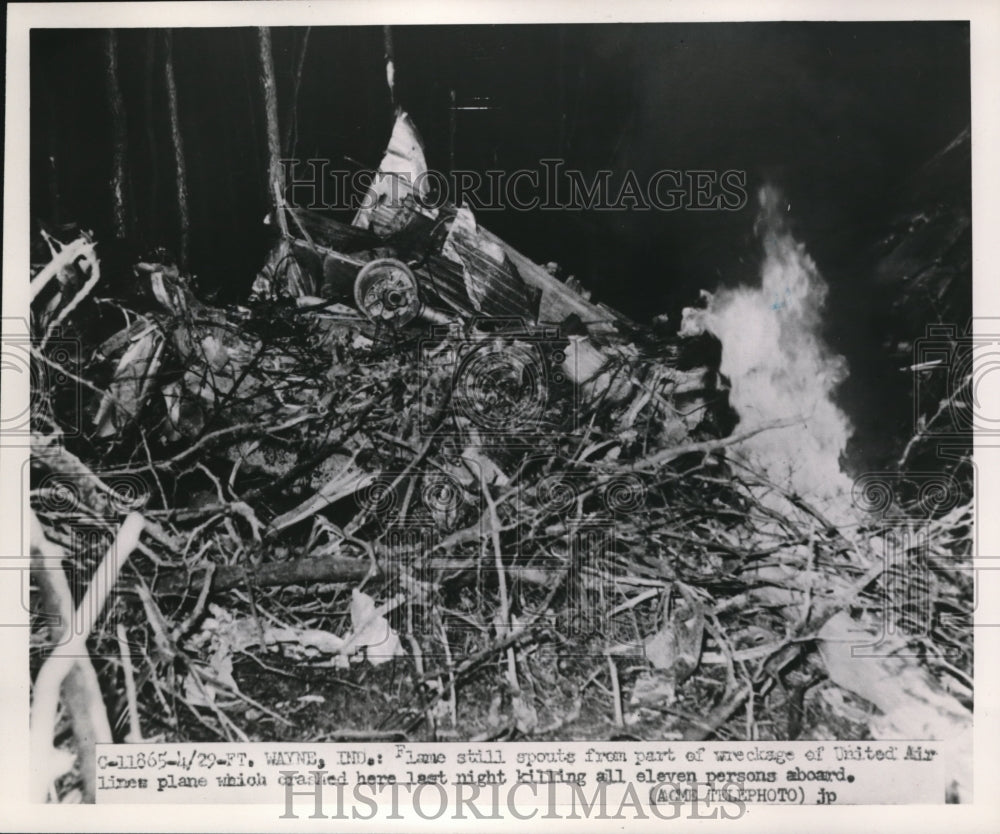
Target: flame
[{"x": 779, "y": 366}]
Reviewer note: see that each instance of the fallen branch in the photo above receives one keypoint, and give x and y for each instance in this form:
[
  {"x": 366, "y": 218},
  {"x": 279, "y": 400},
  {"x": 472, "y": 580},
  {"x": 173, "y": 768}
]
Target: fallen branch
[
  {"x": 305, "y": 571},
  {"x": 79, "y": 248},
  {"x": 47, "y": 764},
  {"x": 664, "y": 456},
  {"x": 85, "y": 290}
]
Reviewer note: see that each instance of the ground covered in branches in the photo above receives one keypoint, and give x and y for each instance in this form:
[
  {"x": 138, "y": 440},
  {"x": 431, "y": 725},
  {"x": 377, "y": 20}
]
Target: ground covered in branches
[{"x": 342, "y": 543}]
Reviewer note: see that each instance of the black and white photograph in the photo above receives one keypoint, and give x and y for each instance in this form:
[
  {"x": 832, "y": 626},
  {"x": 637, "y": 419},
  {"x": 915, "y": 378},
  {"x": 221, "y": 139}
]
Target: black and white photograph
[{"x": 533, "y": 404}]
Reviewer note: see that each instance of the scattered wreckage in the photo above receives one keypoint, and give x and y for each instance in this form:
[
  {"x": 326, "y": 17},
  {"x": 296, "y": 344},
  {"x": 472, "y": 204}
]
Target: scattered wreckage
[
  {"x": 485, "y": 366},
  {"x": 409, "y": 401}
]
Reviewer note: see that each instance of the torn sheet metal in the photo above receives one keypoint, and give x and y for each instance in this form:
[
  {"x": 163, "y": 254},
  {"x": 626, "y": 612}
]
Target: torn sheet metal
[
  {"x": 492, "y": 284},
  {"x": 461, "y": 267},
  {"x": 399, "y": 191}
]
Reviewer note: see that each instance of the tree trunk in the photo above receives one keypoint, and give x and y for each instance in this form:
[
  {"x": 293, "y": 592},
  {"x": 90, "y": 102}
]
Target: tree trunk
[
  {"x": 178, "y": 143},
  {"x": 153, "y": 220},
  {"x": 292, "y": 124},
  {"x": 275, "y": 179},
  {"x": 119, "y": 204}
]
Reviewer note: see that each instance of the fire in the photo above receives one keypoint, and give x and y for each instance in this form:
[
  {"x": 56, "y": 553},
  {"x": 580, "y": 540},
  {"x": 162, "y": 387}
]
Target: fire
[{"x": 779, "y": 366}]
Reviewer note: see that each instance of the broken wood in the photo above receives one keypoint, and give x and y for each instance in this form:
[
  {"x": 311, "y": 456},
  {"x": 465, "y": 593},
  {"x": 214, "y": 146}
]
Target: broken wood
[
  {"x": 299, "y": 570},
  {"x": 70, "y": 655},
  {"x": 304, "y": 571}
]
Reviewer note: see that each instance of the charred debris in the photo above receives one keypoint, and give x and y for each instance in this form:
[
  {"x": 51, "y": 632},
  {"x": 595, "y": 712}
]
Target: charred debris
[{"x": 419, "y": 465}]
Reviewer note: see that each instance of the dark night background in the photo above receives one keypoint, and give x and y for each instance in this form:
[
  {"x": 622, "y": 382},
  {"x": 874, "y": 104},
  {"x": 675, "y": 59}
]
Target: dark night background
[{"x": 841, "y": 117}]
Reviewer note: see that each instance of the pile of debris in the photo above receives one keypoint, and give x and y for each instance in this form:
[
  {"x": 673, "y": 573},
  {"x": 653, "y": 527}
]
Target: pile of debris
[{"x": 420, "y": 462}]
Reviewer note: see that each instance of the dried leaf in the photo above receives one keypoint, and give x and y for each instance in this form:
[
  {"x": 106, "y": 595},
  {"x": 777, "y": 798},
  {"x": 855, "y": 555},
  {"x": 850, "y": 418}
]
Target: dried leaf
[
  {"x": 525, "y": 715},
  {"x": 654, "y": 689},
  {"x": 130, "y": 385},
  {"x": 371, "y": 631},
  {"x": 676, "y": 647}
]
